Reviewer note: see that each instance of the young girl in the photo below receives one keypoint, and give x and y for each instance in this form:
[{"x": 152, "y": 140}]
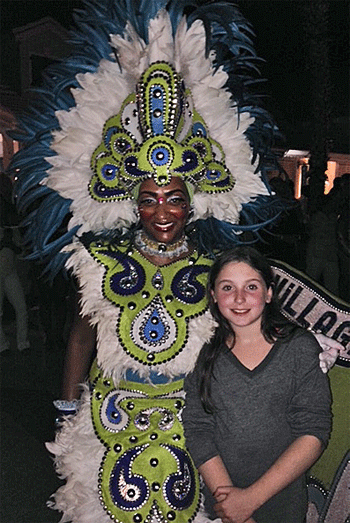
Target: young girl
[{"x": 257, "y": 410}]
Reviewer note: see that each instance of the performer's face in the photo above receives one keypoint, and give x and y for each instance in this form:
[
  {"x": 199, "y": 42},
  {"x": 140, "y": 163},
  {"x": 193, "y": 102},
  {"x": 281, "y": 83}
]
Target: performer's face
[{"x": 163, "y": 210}]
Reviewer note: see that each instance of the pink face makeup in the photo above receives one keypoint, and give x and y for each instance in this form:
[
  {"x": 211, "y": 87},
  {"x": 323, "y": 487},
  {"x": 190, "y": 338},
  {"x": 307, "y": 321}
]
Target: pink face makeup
[{"x": 164, "y": 210}]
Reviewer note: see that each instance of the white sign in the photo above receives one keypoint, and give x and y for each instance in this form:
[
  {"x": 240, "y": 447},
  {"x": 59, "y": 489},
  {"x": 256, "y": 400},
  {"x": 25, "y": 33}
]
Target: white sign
[{"x": 310, "y": 305}]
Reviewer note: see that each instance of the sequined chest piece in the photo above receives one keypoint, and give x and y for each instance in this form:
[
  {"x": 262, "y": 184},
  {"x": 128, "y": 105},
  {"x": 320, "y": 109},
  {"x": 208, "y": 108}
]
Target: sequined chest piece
[{"x": 155, "y": 303}]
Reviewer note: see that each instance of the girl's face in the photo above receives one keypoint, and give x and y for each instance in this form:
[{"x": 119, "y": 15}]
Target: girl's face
[
  {"x": 163, "y": 210},
  {"x": 241, "y": 294}
]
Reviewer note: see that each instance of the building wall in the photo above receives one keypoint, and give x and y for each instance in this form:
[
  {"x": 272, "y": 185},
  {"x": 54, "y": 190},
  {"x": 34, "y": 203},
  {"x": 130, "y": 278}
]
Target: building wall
[
  {"x": 45, "y": 38},
  {"x": 293, "y": 162}
]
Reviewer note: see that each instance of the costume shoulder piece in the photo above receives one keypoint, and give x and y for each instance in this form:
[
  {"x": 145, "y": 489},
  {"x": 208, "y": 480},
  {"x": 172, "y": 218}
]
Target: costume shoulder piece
[{"x": 156, "y": 94}]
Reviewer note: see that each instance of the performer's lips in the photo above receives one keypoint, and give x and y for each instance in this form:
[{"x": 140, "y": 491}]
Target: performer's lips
[{"x": 240, "y": 311}]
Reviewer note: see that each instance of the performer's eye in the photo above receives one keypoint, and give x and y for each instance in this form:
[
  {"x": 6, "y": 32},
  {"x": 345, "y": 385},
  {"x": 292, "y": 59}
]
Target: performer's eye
[
  {"x": 147, "y": 202},
  {"x": 176, "y": 201}
]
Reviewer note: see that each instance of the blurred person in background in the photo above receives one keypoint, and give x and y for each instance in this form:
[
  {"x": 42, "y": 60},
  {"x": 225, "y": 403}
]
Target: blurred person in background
[{"x": 10, "y": 284}]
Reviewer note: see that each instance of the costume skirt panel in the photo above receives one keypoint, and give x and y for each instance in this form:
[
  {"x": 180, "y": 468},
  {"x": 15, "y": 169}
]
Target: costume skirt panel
[{"x": 124, "y": 457}]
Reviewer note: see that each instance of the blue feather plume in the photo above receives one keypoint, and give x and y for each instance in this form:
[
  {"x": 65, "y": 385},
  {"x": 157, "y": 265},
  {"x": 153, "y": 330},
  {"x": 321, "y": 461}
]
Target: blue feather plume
[{"x": 228, "y": 33}]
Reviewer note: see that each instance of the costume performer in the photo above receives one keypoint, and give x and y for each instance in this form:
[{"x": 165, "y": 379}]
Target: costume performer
[{"x": 150, "y": 104}]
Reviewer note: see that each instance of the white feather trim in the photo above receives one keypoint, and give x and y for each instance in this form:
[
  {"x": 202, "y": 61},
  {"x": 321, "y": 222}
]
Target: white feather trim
[
  {"x": 80, "y": 134},
  {"x": 100, "y": 96},
  {"x": 132, "y": 53},
  {"x": 113, "y": 360},
  {"x": 78, "y": 454},
  {"x": 207, "y": 86},
  {"x": 161, "y": 43}
]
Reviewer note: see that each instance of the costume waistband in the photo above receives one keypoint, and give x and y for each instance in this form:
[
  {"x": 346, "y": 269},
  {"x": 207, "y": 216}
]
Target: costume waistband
[{"x": 154, "y": 378}]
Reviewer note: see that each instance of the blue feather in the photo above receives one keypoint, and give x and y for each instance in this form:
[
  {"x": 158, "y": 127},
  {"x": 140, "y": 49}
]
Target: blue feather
[
  {"x": 30, "y": 197},
  {"x": 227, "y": 33}
]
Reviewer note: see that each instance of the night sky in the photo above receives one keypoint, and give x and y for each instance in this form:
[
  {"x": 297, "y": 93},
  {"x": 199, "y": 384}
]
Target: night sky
[{"x": 279, "y": 40}]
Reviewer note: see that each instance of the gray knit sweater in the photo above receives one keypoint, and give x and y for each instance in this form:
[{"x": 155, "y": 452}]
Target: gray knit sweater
[{"x": 257, "y": 416}]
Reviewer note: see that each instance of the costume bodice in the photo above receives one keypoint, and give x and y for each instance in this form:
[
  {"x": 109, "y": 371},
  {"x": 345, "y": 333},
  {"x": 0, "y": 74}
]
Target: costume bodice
[{"x": 150, "y": 311}]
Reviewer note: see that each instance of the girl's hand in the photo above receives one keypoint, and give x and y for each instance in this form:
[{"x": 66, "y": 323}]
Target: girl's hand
[
  {"x": 331, "y": 349},
  {"x": 327, "y": 359},
  {"x": 233, "y": 505}
]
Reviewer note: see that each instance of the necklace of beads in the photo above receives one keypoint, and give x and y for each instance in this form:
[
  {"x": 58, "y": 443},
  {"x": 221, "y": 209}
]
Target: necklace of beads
[{"x": 145, "y": 244}]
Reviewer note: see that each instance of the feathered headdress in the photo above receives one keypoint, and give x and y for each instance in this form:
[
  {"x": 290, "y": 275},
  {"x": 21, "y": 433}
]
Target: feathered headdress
[{"x": 153, "y": 89}]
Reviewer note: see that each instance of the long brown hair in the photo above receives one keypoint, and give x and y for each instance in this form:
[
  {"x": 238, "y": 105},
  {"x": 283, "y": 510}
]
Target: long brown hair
[{"x": 273, "y": 324}]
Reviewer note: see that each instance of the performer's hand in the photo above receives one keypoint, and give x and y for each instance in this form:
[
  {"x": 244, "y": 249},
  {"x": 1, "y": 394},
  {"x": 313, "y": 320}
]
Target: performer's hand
[
  {"x": 331, "y": 349},
  {"x": 65, "y": 409},
  {"x": 233, "y": 505}
]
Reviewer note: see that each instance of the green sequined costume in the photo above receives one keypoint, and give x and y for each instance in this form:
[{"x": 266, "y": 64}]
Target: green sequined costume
[{"x": 158, "y": 319}]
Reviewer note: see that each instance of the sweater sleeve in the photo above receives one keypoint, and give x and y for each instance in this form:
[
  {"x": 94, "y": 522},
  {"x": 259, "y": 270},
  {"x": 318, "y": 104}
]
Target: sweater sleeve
[
  {"x": 198, "y": 424},
  {"x": 310, "y": 405}
]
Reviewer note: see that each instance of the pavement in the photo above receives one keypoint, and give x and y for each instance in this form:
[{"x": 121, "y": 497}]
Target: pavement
[{"x": 30, "y": 381}]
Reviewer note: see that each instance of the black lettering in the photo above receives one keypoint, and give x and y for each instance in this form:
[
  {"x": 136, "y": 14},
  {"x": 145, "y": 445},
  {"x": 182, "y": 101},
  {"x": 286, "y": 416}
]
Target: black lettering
[
  {"x": 287, "y": 293},
  {"x": 280, "y": 284},
  {"x": 287, "y": 308},
  {"x": 325, "y": 322},
  {"x": 301, "y": 318},
  {"x": 340, "y": 335}
]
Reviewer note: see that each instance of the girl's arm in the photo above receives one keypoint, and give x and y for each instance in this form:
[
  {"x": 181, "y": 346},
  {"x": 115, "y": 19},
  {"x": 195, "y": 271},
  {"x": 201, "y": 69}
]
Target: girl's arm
[
  {"x": 294, "y": 461},
  {"x": 297, "y": 459},
  {"x": 219, "y": 483},
  {"x": 199, "y": 430},
  {"x": 215, "y": 474}
]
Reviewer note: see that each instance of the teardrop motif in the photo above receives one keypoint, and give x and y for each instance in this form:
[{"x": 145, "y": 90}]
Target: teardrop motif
[
  {"x": 157, "y": 280},
  {"x": 153, "y": 329}
]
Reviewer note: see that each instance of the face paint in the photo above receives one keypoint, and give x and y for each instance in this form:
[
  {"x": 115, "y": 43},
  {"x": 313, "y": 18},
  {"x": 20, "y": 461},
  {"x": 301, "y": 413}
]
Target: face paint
[{"x": 164, "y": 210}]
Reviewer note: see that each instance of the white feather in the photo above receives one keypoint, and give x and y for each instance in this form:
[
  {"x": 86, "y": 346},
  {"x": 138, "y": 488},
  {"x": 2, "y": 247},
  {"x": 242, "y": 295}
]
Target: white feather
[
  {"x": 78, "y": 455},
  {"x": 112, "y": 359},
  {"x": 100, "y": 96},
  {"x": 161, "y": 43},
  {"x": 81, "y": 127}
]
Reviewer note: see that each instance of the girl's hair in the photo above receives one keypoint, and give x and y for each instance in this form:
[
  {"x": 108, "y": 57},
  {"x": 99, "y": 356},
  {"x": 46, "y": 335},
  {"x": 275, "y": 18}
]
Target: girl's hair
[{"x": 273, "y": 324}]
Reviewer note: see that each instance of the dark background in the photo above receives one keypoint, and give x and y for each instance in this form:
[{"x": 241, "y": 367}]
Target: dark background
[{"x": 280, "y": 40}]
